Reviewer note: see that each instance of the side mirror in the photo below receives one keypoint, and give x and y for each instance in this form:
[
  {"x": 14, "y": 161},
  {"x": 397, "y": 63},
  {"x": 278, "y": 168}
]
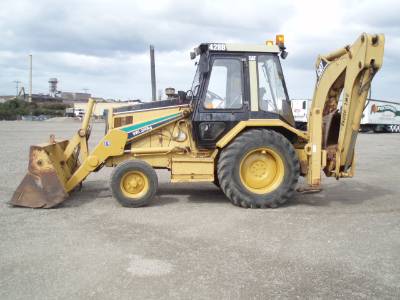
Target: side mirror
[
  {"x": 284, "y": 54},
  {"x": 182, "y": 96}
]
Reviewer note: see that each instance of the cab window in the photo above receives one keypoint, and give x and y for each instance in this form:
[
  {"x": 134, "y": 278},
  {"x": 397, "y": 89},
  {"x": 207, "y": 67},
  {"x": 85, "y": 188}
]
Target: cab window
[
  {"x": 271, "y": 89},
  {"x": 225, "y": 85}
]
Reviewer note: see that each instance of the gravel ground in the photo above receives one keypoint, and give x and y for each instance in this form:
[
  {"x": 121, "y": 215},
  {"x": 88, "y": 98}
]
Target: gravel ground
[{"x": 192, "y": 243}]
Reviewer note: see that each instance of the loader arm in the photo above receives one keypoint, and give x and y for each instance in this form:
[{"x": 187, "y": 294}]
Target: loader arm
[
  {"x": 332, "y": 134},
  {"x": 113, "y": 144}
]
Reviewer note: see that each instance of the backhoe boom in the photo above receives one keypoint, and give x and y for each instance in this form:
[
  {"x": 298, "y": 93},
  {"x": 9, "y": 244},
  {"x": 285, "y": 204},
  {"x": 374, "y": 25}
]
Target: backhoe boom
[{"x": 332, "y": 134}]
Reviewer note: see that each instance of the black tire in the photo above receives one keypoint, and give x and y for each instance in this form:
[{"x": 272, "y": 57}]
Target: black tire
[
  {"x": 229, "y": 168},
  {"x": 132, "y": 166}
]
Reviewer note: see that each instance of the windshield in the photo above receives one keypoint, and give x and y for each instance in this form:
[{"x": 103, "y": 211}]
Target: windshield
[{"x": 272, "y": 93}]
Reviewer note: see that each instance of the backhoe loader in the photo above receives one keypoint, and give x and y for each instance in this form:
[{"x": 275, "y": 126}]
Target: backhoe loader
[{"x": 234, "y": 127}]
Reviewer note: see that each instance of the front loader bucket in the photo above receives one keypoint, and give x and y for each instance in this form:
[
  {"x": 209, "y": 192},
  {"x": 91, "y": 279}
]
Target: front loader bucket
[{"x": 44, "y": 184}]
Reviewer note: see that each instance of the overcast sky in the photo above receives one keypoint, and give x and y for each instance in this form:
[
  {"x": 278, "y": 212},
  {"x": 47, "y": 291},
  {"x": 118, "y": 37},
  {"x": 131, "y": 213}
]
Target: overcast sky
[{"x": 103, "y": 45}]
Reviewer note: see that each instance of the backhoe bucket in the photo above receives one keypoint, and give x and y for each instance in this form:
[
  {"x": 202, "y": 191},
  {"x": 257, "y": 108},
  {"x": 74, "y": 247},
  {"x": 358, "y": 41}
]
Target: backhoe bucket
[{"x": 44, "y": 184}]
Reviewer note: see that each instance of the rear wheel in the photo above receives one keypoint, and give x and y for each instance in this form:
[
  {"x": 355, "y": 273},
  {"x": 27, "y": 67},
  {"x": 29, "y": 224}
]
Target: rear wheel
[
  {"x": 259, "y": 169},
  {"x": 134, "y": 183}
]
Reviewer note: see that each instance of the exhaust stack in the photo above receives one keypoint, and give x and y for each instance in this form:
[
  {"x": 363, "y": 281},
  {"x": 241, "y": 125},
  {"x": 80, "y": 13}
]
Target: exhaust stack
[{"x": 153, "y": 74}]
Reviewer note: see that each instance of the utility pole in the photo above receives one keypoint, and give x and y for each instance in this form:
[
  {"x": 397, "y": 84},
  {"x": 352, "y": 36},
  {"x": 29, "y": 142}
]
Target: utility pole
[
  {"x": 159, "y": 94},
  {"x": 153, "y": 74},
  {"x": 17, "y": 82},
  {"x": 30, "y": 78}
]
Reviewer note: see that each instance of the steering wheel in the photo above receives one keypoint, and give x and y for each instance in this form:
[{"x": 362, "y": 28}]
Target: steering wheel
[
  {"x": 235, "y": 103},
  {"x": 211, "y": 95}
]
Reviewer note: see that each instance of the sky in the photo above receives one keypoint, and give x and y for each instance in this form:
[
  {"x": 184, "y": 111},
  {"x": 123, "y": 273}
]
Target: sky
[{"x": 103, "y": 46}]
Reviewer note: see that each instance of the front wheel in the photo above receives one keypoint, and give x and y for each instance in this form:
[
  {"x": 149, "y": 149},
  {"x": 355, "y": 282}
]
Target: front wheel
[
  {"x": 134, "y": 183},
  {"x": 259, "y": 169}
]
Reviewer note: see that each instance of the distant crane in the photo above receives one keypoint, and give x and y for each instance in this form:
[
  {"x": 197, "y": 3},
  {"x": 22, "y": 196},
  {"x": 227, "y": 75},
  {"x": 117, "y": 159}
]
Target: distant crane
[
  {"x": 30, "y": 78},
  {"x": 17, "y": 82}
]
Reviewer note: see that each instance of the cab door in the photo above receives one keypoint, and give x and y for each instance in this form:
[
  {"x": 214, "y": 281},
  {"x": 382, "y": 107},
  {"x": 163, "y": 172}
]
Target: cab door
[{"x": 224, "y": 99}]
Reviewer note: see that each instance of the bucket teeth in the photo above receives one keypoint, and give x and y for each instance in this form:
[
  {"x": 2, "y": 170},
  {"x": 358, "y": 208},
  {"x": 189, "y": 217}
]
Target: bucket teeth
[{"x": 41, "y": 186}]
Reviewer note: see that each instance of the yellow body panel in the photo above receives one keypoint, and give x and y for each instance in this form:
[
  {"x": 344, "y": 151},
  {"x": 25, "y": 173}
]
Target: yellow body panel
[
  {"x": 257, "y": 123},
  {"x": 139, "y": 116},
  {"x": 185, "y": 168},
  {"x": 253, "y": 84}
]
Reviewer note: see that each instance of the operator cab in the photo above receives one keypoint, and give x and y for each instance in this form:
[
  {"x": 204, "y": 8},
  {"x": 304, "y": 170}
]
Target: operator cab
[{"x": 236, "y": 83}]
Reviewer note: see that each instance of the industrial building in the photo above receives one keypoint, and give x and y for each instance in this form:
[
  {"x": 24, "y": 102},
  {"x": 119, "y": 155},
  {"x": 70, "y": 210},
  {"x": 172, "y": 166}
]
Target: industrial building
[{"x": 98, "y": 111}]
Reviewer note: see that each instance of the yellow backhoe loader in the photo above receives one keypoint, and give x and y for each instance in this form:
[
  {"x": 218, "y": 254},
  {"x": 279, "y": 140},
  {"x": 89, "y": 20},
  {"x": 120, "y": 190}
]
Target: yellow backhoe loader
[{"x": 234, "y": 127}]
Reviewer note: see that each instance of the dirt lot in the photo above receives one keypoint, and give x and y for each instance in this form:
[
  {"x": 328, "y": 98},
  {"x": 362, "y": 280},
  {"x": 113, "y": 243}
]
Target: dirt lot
[{"x": 192, "y": 243}]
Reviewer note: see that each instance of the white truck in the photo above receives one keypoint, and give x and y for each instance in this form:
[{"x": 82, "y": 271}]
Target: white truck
[
  {"x": 73, "y": 112},
  {"x": 378, "y": 115},
  {"x": 381, "y": 116},
  {"x": 300, "y": 108}
]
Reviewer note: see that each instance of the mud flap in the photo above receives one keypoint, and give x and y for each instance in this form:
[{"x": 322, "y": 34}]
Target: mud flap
[{"x": 43, "y": 185}]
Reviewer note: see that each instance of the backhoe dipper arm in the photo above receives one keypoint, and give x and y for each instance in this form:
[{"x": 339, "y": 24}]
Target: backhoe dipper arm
[{"x": 332, "y": 136}]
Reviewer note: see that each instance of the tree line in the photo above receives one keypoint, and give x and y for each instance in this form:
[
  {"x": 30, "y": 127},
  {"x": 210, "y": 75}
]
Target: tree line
[{"x": 15, "y": 109}]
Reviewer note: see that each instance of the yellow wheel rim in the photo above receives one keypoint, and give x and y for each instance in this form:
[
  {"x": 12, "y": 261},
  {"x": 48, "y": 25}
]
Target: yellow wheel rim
[
  {"x": 134, "y": 184},
  {"x": 262, "y": 170}
]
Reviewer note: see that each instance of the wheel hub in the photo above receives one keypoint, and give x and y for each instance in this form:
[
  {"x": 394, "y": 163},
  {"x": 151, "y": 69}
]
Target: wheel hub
[
  {"x": 134, "y": 184},
  {"x": 258, "y": 168},
  {"x": 261, "y": 170}
]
